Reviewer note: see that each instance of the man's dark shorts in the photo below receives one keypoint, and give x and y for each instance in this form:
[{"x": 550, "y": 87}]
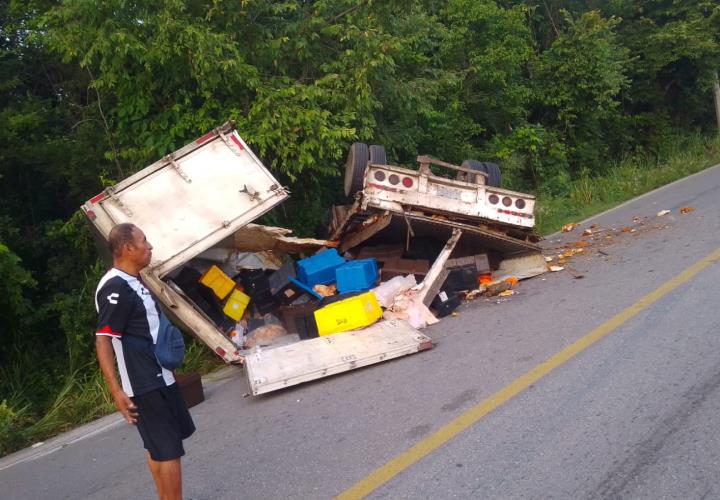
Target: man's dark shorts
[{"x": 163, "y": 421}]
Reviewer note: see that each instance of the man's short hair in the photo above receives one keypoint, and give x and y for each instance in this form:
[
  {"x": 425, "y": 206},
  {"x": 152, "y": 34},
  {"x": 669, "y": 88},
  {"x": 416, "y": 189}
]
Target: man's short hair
[{"x": 121, "y": 235}]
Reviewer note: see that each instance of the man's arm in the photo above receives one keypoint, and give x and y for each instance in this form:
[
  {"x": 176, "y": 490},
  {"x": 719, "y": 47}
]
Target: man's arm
[{"x": 103, "y": 347}]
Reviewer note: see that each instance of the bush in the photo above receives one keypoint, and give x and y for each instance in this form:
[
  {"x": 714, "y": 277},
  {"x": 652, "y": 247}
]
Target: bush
[
  {"x": 534, "y": 159},
  {"x": 13, "y": 427}
]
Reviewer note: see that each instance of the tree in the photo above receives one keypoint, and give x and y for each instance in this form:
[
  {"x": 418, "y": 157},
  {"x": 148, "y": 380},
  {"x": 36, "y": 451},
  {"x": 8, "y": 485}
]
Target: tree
[{"x": 578, "y": 83}]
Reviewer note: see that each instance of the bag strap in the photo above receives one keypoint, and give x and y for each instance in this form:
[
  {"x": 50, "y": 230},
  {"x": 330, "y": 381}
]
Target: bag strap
[{"x": 139, "y": 343}]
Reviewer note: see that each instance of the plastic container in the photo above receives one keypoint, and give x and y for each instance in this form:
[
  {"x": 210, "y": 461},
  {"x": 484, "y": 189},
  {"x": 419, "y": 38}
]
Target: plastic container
[
  {"x": 265, "y": 302},
  {"x": 445, "y": 303},
  {"x": 349, "y": 314},
  {"x": 289, "y": 293},
  {"x": 305, "y": 288},
  {"x": 218, "y": 281},
  {"x": 255, "y": 281},
  {"x": 282, "y": 288},
  {"x": 320, "y": 268},
  {"x": 461, "y": 279},
  {"x": 236, "y": 304},
  {"x": 257, "y": 286},
  {"x": 280, "y": 278},
  {"x": 300, "y": 319},
  {"x": 356, "y": 276}
]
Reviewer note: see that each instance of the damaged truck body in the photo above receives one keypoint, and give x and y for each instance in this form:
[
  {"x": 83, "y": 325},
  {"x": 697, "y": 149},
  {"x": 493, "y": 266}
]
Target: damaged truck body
[{"x": 196, "y": 207}]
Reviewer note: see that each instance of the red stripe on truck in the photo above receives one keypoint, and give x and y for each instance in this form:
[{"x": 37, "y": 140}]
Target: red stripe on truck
[
  {"x": 98, "y": 198},
  {"x": 384, "y": 188},
  {"x": 237, "y": 141},
  {"x": 517, "y": 214},
  {"x": 205, "y": 138}
]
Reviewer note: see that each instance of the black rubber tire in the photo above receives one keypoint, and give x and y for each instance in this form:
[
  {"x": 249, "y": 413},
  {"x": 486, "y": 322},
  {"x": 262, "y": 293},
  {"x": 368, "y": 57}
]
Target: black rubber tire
[
  {"x": 494, "y": 177},
  {"x": 355, "y": 165},
  {"x": 378, "y": 155}
]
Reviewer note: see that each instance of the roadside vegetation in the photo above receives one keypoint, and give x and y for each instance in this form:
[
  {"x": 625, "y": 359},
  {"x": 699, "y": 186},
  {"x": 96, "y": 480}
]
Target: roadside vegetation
[
  {"x": 585, "y": 103},
  {"x": 625, "y": 179}
]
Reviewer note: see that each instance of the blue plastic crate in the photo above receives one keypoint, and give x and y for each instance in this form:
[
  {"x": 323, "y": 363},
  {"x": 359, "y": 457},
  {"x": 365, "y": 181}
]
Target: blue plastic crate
[
  {"x": 320, "y": 268},
  {"x": 305, "y": 288},
  {"x": 356, "y": 276}
]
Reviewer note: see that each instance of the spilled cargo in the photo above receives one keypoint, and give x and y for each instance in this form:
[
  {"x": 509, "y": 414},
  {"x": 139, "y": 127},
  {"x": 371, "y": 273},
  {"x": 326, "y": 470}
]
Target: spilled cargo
[{"x": 296, "y": 309}]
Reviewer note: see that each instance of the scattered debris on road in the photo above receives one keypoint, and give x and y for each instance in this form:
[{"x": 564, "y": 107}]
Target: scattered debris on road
[{"x": 596, "y": 240}]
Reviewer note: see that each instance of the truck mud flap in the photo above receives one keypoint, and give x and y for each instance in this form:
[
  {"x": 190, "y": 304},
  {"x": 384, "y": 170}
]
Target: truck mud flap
[{"x": 275, "y": 368}]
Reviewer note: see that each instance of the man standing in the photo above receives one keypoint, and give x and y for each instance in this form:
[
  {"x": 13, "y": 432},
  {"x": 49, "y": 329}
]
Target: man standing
[{"x": 149, "y": 396}]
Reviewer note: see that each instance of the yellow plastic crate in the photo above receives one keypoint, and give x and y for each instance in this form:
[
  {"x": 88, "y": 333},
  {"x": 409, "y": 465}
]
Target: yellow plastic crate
[
  {"x": 349, "y": 314},
  {"x": 218, "y": 281},
  {"x": 236, "y": 304}
]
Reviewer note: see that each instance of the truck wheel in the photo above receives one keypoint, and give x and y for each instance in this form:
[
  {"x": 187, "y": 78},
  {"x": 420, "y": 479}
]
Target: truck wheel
[
  {"x": 492, "y": 169},
  {"x": 355, "y": 166},
  {"x": 377, "y": 155},
  {"x": 494, "y": 176}
]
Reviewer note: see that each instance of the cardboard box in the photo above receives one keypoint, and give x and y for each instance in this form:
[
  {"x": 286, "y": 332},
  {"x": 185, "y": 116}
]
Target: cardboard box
[
  {"x": 480, "y": 261},
  {"x": 382, "y": 253},
  {"x": 403, "y": 267},
  {"x": 190, "y": 385}
]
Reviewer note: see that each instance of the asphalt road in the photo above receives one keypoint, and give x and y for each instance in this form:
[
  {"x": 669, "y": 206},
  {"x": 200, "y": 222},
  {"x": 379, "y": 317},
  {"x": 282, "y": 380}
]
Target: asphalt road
[{"x": 634, "y": 415}]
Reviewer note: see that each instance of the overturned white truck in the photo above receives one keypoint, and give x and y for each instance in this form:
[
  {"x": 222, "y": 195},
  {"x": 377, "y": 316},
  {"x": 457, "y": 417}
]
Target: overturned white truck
[
  {"x": 470, "y": 212},
  {"x": 204, "y": 197}
]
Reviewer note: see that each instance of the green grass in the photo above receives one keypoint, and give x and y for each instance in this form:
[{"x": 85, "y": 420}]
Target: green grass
[
  {"x": 625, "y": 180},
  {"x": 74, "y": 399}
]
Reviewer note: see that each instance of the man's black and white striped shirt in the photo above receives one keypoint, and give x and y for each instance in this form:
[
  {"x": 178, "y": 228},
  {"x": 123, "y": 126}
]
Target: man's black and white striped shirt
[{"x": 126, "y": 308}]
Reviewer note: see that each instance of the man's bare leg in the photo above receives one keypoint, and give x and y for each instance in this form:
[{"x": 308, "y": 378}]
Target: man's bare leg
[
  {"x": 168, "y": 478},
  {"x": 155, "y": 471}
]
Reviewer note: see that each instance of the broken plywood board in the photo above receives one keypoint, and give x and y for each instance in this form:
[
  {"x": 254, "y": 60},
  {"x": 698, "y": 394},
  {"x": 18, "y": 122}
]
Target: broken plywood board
[
  {"x": 254, "y": 237},
  {"x": 373, "y": 225},
  {"x": 522, "y": 267},
  {"x": 275, "y": 368}
]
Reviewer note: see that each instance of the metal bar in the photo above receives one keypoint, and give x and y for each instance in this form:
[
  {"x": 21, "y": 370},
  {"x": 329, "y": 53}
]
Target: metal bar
[
  {"x": 426, "y": 160},
  {"x": 178, "y": 169}
]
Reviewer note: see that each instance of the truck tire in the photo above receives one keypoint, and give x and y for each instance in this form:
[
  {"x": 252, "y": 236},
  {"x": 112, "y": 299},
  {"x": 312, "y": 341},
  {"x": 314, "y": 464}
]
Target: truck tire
[
  {"x": 377, "y": 155},
  {"x": 494, "y": 177},
  {"x": 355, "y": 165}
]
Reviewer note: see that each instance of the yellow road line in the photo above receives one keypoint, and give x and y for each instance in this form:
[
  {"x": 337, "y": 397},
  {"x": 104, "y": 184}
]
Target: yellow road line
[{"x": 431, "y": 443}]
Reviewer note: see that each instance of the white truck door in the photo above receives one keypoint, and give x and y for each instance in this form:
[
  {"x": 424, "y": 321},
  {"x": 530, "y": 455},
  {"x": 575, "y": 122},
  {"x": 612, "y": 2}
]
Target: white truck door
[
  {"x": 191, "y": 199},
  {"x": 275, "y": 368}
]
